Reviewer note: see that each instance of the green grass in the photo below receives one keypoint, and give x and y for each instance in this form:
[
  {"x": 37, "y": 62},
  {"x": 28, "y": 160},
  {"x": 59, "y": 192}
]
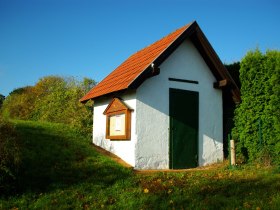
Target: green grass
[{"x": 60, "y": 170}]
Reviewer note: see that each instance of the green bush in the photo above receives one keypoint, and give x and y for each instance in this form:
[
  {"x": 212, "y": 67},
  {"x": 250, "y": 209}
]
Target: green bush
[
  {"x": 52, "y": 99},
  {"x": 257, "y": 118},
  {"x": 9, "y": 156},
  {"x": 19, "y": 104}
]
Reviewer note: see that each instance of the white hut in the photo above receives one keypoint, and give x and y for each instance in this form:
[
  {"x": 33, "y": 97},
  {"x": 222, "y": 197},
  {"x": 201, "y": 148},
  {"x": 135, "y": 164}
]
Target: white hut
[{"x": 162, "y": 108}]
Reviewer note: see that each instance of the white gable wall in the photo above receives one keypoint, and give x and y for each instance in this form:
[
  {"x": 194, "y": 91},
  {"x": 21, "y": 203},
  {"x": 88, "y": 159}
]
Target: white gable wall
[
  {"x": 152, "y": 104},
  {"x": 124, "y": 149}
]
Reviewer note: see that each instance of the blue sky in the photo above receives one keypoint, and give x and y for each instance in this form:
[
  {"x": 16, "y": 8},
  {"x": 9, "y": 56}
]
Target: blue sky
[{"x": 84, "y": 38}]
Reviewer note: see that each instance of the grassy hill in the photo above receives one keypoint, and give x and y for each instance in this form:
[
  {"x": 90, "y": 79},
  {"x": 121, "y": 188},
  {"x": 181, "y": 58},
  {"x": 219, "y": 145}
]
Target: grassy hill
[{"x": 61, "y": 170}]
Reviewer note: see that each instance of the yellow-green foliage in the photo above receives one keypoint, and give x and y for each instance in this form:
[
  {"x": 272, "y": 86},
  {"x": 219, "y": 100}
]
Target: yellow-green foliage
[
  {"x": 20, "y": 103},
  {"x": 257, "y": 118},
  {"x": 53, "y": 99}
]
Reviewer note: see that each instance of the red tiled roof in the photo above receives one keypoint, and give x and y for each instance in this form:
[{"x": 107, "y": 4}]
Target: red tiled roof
[{"x": 130, "y": 69}]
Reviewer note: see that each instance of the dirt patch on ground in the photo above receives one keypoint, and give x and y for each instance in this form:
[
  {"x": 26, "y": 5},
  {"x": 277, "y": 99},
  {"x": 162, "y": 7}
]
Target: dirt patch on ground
[
  {"x": 149, "y": 171},
  {"x": 201, "y": 168}
]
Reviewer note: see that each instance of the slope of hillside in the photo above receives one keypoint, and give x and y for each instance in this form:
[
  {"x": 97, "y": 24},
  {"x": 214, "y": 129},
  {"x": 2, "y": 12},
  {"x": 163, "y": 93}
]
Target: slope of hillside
[{"x": 61, "y": 170}]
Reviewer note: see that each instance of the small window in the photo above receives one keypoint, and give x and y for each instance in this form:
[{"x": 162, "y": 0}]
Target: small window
[{"x": 118, "y": 120}]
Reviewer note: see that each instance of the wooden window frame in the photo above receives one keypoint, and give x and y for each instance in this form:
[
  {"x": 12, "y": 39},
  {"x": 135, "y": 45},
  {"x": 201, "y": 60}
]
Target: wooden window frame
[
  {"x": 127, "y": 128},
  {"x": 119, "y": 110}
]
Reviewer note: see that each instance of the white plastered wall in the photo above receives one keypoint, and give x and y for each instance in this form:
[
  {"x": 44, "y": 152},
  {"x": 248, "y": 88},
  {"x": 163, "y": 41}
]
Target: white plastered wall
[
  {"x": 152, "y": 104},
  {"x": 124, "y": 149}
]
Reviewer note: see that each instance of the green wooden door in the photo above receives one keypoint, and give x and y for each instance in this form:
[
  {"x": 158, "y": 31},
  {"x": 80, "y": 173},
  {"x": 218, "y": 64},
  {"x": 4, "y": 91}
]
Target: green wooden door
[{"x": 183, "y": 111}]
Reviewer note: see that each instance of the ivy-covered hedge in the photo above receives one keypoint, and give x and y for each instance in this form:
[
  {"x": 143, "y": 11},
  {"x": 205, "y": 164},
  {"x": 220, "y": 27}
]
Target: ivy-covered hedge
[{"x": 257, "y": 118}]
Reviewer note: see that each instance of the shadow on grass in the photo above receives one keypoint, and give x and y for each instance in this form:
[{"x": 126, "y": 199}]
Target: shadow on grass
[
  {"x": 54, "y": 156},
  {"x": 238, "y": 193},
  {"x": 195, "y": 191}
]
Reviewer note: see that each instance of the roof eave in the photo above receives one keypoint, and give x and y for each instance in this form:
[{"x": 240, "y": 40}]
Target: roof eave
[
  {"x": 213, "y": 61},
  {"x": 114, "y": 94}
]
